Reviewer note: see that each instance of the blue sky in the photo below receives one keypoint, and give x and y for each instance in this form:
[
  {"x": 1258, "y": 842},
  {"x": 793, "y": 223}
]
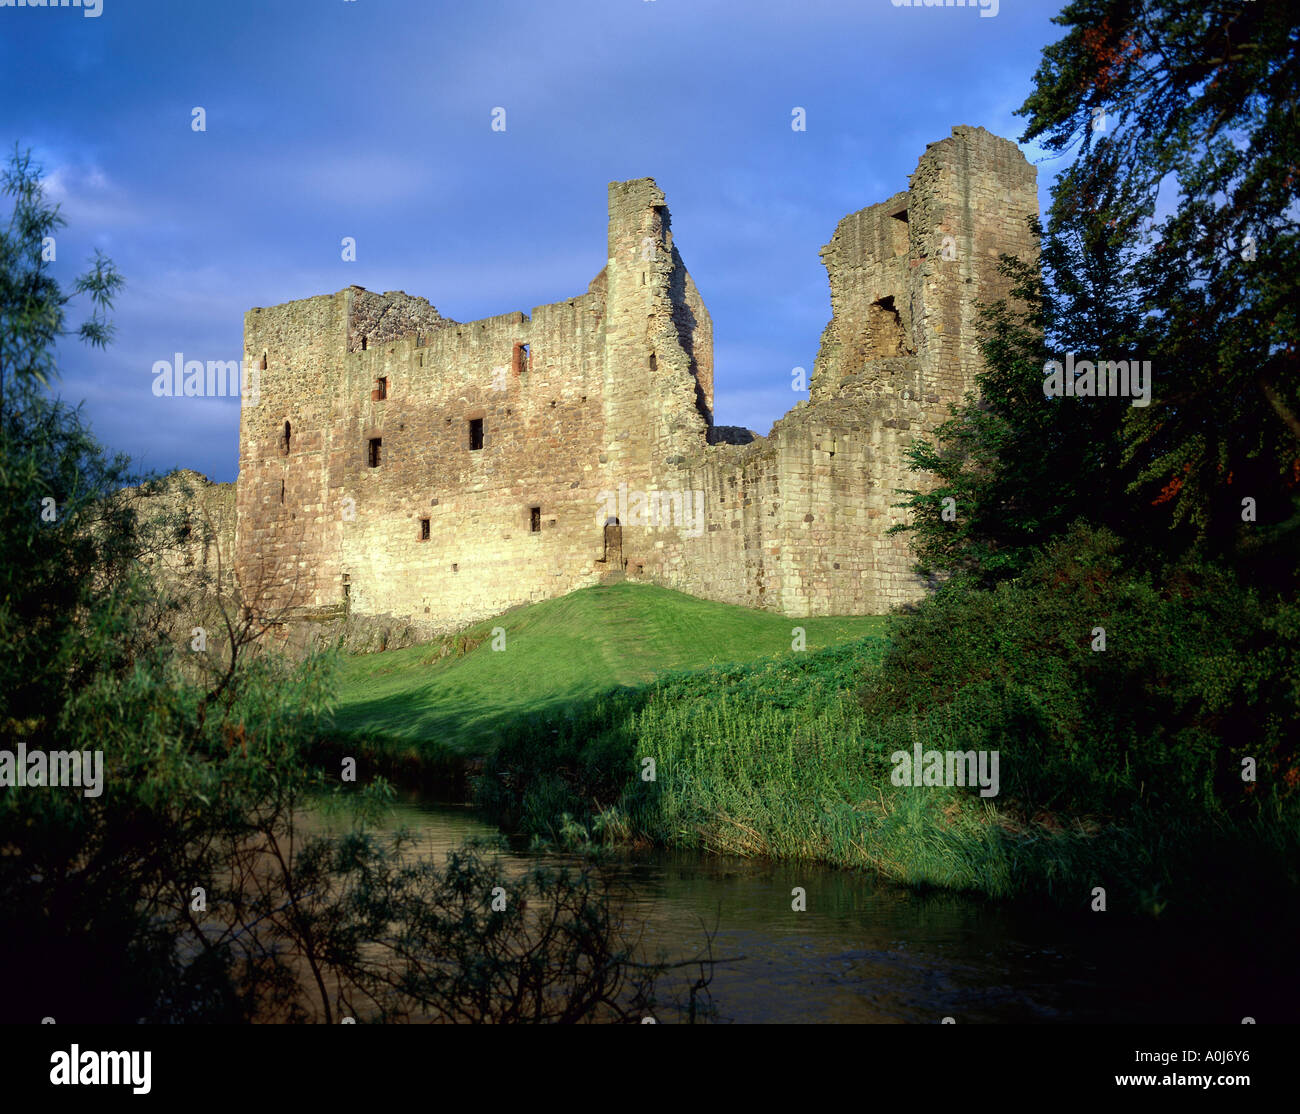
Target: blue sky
[{"x": 372, "y": 119}]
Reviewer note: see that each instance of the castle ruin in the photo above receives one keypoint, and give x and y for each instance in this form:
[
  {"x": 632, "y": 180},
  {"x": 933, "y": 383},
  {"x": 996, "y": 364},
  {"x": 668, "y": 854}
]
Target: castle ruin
[{"x": 400, "y": 464}]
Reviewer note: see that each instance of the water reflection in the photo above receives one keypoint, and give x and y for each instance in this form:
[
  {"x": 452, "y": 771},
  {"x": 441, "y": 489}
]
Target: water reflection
[{"x": 867, "y": 952}]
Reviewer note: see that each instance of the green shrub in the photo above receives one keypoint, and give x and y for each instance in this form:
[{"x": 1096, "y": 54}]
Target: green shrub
[{"x": 1197, "y": 673}]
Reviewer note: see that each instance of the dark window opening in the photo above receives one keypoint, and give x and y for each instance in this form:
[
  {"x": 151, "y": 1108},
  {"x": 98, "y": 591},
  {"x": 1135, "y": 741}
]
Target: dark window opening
[
  {"x": 654, "y": 361},
  {"x": 282, "y": 491},
  {"x": 535, "y": 519},
  {"x": 284, "y": 439},
  {"x": 455, "y": 568},
  {"x": 475, "y": 433},
  {"x": 380, "y": 392},
  {"x": 899, "y": 227},
  {"x": 424, "y": 529},
  {"x": 263, "y": 368},
  {"x": 521, "y": 359},
  {"x": 376, "y": 445},
  {"x": 363, "y": 344}
]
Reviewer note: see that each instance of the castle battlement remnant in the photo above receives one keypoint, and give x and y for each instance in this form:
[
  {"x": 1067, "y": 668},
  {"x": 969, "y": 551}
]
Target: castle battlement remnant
[{"x": 397, "y": 463}]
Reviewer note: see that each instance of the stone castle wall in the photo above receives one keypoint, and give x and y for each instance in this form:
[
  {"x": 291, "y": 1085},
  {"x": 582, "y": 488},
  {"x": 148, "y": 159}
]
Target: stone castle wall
[
  {"x": 186, "y": 525},
  {"x": 798, "y": 523},
  {"x": 611, "y": 403}
]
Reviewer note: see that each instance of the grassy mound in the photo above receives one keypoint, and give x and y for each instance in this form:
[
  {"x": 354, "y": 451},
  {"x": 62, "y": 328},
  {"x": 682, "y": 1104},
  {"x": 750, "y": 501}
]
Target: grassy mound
[{"x": 428, "y": 703}]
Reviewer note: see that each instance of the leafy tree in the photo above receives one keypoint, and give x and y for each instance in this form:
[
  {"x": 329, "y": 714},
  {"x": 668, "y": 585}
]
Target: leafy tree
[
  {"x": 60, "y": 541},
  {"x": 35, "y": 305},
  {"x": 1201, "y": 109}
]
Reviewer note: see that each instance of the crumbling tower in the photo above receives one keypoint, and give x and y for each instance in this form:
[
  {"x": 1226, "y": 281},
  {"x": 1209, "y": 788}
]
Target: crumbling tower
[{"x": 799, "y": 520}]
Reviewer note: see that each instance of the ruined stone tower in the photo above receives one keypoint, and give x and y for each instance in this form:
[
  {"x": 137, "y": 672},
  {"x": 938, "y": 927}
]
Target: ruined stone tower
[{"x": 398, "y": 463}]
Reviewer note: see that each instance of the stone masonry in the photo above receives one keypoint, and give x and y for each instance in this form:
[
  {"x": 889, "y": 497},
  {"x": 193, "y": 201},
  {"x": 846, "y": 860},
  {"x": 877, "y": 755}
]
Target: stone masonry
[{"x": 396, "y": 463}]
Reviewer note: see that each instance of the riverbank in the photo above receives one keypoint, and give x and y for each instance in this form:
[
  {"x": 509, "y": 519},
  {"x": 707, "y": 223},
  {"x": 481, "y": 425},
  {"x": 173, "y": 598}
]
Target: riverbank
[
  {"x": 772, "y": 758},
  {"x": 777, "y": 760}
]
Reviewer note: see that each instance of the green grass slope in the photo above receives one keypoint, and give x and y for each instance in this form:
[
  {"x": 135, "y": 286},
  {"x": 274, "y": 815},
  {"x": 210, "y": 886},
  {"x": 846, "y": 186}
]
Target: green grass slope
[{"x": 412, "y": 703}]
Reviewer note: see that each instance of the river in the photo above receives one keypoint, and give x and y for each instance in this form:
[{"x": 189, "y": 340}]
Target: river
[{"x": 866, "y": 951}]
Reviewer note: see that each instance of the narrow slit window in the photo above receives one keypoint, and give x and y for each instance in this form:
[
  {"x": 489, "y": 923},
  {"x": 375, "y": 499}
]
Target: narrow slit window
[
  {"x": 520, "y": 359},
  {"x": 284, "y": 439},
  {"x": 374, "y": 451},
  {"x": 424, "y": 529},
  {"x": 380, "y": 392},
  {"x": 535, "y": 519},
  {"x": 475, "y": 433}
]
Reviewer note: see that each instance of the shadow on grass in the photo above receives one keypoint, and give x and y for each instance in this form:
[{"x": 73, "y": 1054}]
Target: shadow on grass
[{"x": 446, "y": 749}]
